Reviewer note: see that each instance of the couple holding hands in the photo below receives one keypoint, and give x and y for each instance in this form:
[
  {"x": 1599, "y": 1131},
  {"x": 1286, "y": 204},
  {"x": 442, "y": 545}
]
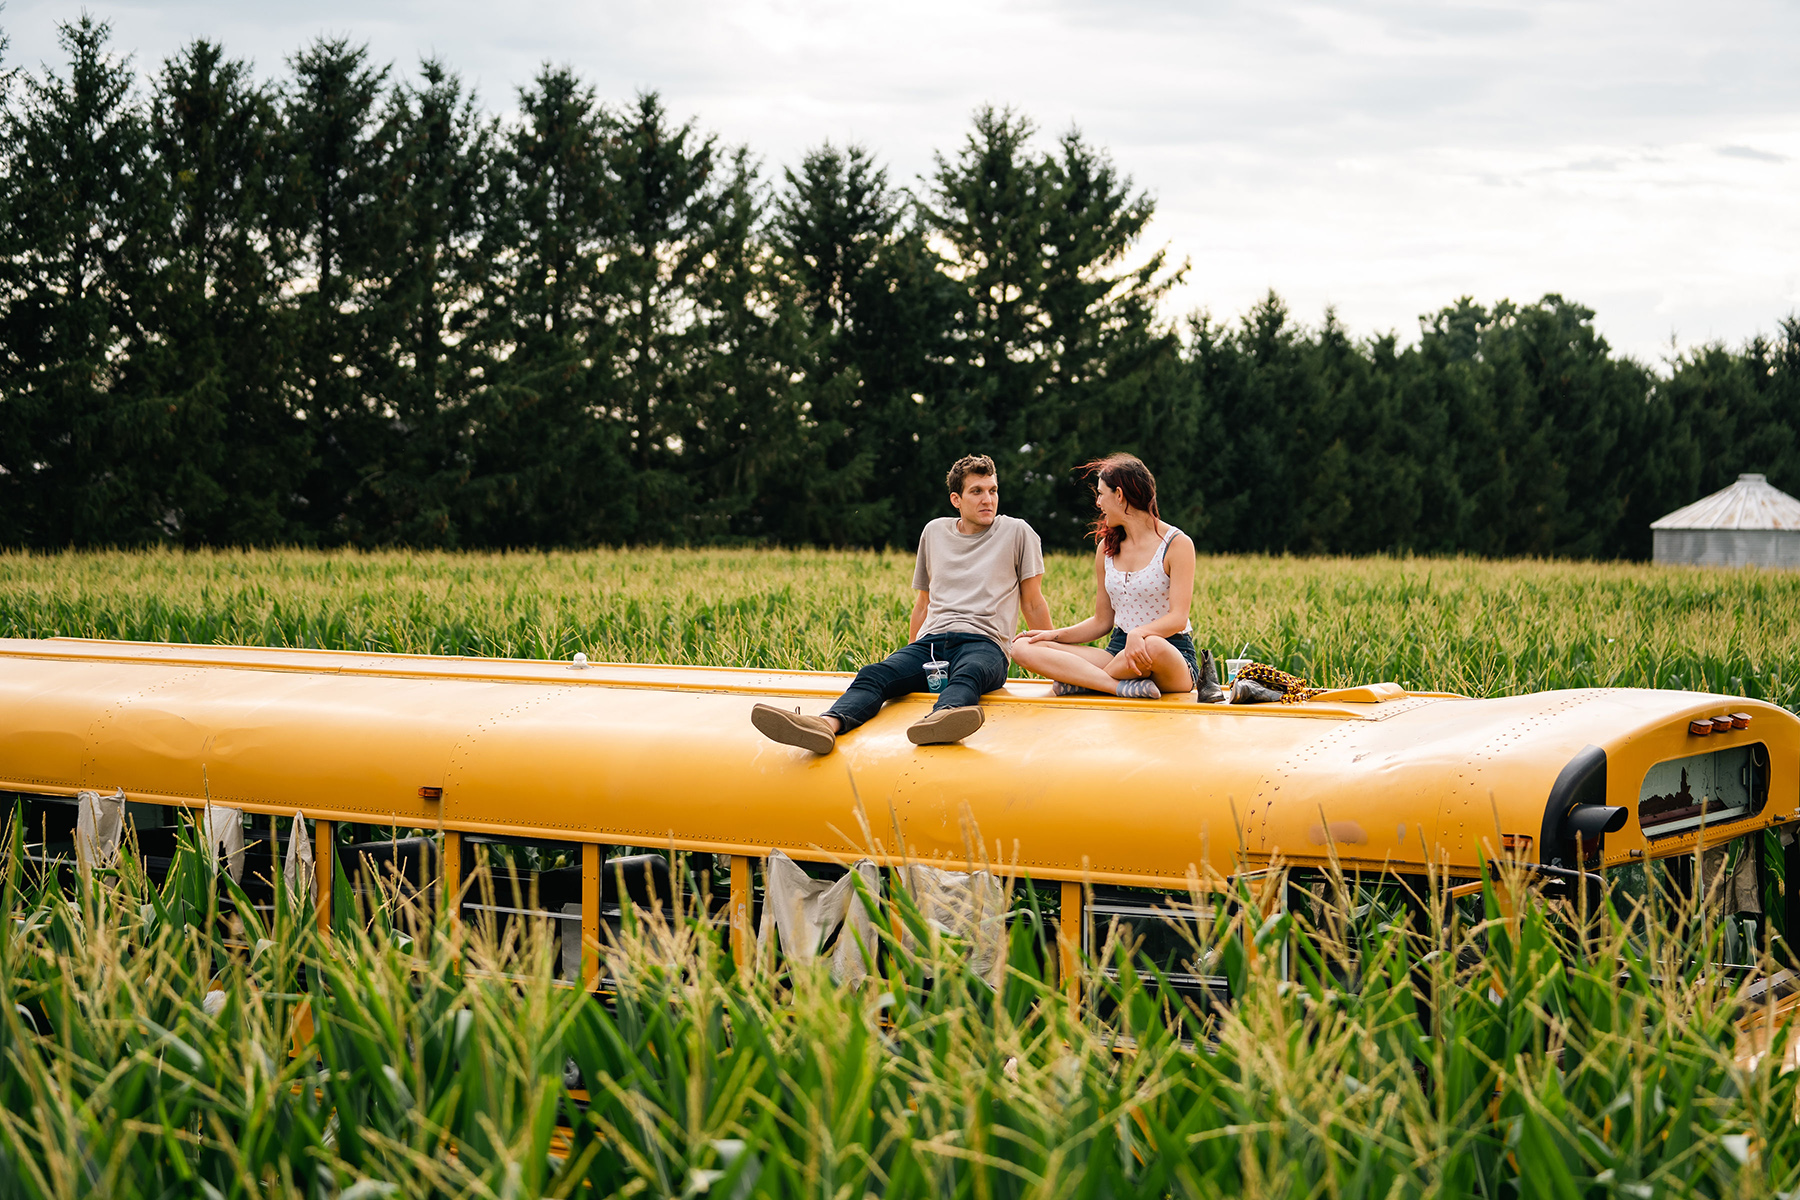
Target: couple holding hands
[{"x": 977, "y": 570}]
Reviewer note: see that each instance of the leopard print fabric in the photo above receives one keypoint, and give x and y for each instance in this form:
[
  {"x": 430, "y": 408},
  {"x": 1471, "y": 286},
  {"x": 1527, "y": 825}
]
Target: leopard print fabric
[{"x": 1293, "y": 689}]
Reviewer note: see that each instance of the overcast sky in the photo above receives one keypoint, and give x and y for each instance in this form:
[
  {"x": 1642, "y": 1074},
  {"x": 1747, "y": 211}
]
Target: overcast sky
[{"x": 1385, "y": 158}]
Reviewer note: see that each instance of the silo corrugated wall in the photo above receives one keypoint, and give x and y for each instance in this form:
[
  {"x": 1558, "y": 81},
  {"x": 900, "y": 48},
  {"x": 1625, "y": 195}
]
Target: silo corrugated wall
[{"x": 1728, "y": 547}]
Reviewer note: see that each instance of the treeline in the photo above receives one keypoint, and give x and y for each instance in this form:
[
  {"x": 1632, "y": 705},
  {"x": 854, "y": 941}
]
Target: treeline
[{"x": 347, "y": 307}]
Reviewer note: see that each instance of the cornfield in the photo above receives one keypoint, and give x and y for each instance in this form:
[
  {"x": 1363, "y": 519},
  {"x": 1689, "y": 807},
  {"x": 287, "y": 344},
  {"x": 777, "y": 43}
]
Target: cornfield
[
  {"x": 170, "y": 1040},
  {"x": 1462, "y": 625},
  {"x": 165, "y": 1036}
]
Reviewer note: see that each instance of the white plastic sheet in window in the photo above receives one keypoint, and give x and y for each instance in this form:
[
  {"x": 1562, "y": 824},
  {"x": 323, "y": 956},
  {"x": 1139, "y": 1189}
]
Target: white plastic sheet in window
[
  {"x": 805, "y": 911},
  {"x": 970, "y": 905},
  {"x": 224, "y": 833},
  {"x": 99, "y": 827},
  {"x": 568, "y": 935},
  {"x": 302, "y": 880}
]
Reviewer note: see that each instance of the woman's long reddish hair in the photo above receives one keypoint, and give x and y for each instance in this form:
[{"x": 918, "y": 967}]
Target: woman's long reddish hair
[{"x": 1125, "y": 473}]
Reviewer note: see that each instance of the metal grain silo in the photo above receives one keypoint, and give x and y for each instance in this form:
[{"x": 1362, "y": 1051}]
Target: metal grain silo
[{"x": 1747, "y": 524}]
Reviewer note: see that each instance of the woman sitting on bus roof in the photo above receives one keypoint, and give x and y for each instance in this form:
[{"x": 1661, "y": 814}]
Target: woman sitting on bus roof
[{"x": 1144, "y": 584}]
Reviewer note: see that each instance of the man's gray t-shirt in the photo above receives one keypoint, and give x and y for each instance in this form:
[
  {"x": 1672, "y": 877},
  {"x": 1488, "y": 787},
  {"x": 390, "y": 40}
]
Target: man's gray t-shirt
[{"x": 974, "y": 578}]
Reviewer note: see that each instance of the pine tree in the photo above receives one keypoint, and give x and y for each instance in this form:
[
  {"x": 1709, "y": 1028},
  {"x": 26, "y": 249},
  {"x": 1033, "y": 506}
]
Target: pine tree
[
  {"x": 1312, "y": 440},
  {"x": 1595, "y": 402},
  {"x": 692, "y": 375},
  {"x": 1350, "y": 496},
  {"x": 1106, "y": 344},
  {"x": 990, "y": 206},
  {"x": 436, "y": 268},
  {"x": 547, "y": 461},
  {"x": 1056, "y": 335},
  {"x": 852, "y": 255},
  {"x": 341, "y": 216},
  {"x": 1256, "y": 381},
  {"x": 1547, "y": 424},
  {"x": 82, "y": 459},
  {"x": 221, "y": 343}
]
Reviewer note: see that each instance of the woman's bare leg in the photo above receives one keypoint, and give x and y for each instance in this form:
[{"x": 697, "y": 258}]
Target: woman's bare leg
[
  {"x": 1171, "y": 671},
  {"x": 1167, "y": 667},
  {"x": 1083, "y": 666}
]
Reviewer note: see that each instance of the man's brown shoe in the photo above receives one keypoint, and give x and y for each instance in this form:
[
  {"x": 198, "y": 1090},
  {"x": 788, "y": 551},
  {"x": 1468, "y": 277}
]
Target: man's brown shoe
[
  {"x": 792, "y": 729},
  {"x": 945, "y": 725}
]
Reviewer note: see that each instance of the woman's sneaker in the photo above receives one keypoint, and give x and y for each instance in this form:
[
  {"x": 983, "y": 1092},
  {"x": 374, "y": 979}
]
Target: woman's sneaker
[{"x": 1139, "y": 689}]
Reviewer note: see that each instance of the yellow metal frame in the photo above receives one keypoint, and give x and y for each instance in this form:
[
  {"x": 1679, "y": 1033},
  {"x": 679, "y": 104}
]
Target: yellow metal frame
[
  {"x": 743, "y": 936},
  {"x": 324, "y": 860},
  {"x": 593, "y": 861},
  {"x": 1068, "y": 938}
]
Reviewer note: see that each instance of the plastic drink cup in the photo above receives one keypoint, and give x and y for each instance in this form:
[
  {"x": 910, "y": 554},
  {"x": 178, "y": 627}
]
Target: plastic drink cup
[
  {"x": 1233, "y": 666},
  {"x": 937, "y": 674}
]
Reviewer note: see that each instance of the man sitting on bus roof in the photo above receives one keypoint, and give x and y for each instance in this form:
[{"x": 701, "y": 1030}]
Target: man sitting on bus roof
[{"x": 975, "y": 571}]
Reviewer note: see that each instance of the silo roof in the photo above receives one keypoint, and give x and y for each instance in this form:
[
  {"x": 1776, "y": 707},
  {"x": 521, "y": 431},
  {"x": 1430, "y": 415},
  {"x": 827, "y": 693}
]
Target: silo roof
[{"x": 1750, "y": 503}]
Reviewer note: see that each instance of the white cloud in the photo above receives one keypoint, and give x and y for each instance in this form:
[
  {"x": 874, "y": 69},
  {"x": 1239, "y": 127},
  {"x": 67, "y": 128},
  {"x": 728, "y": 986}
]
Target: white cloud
[{"x": 1382, "y": 157}]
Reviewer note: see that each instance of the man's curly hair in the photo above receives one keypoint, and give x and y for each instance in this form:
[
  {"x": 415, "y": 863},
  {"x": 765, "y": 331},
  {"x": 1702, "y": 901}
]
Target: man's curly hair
[{"x": 967, "y": 465}]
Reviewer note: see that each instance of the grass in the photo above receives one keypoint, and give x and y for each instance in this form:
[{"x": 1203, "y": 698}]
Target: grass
[
  {"x": 1463, "y": 625},
  {"x": 1472, "y": 1056}
]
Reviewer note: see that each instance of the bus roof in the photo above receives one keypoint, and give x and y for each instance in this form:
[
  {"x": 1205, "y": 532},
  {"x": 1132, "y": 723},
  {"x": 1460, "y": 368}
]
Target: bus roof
[{"x": 1135, "y": 792}]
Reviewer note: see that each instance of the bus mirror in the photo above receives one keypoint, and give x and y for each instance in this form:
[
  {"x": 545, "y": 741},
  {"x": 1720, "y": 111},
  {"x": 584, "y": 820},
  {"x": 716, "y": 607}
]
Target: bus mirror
[{"x": 1592, "y": 820}]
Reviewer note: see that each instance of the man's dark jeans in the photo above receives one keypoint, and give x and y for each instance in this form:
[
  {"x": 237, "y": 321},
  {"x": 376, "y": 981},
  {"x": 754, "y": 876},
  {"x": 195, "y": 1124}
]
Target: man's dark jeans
[{"x": 977, "y": 665}]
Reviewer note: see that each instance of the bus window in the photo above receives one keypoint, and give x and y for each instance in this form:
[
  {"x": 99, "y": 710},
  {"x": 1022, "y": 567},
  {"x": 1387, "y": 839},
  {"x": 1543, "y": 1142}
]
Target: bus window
[
  {"x": 1346, "y": 916},
  {"x": 1683, "y": 794},
  {"x": 1169, "y": 930}
]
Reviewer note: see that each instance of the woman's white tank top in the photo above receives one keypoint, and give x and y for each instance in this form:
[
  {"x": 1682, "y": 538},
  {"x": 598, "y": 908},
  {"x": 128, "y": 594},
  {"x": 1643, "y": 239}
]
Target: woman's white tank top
[{"x": 1141, "y": 596}]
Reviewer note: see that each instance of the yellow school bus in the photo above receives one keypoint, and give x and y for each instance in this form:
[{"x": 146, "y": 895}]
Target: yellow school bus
[{"x": 1091, "y": 792}]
